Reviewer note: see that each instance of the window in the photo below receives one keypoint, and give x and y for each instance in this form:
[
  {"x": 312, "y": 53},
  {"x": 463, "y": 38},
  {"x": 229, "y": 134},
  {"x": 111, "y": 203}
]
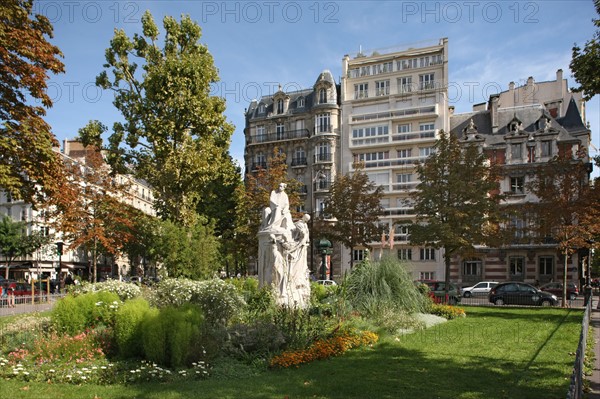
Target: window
[
  {"x": 471, "y": 267},
  {"x": 24, "y": 215},
  {"x": 382, "y": 88},
  {"x": 405, "y": 153},
  {"x": 405, "y": 128},
  {"x": 405, "y": 254},
  {"x": 423, "y": 127},
  {"x": 45, "y": 230},
  {"x": 260, "y": 160},
  {"x": 517, "y": 225},
  {"x": 404, "y": 178},
  {"x": 323, "y": 152},
  {"x": 426, "y": 151},
  {"x": 373, "y": 156},
  {"x": 426, "y": 275},
  {"x": 517, "y": 185},
  {"x": 427, "y": 254},
  {"x": 322, "y": 96},
  {"x": 323, "y": 123},
  {"x": 354, "y": 73},
  {"x": 361, "y": 90},
  {"x": 260, "y": 133},
  {"x": 280, "y": 106},
  {"x": 546, "y": 148},
  {"x": 301, "y": 102},
  {"x": 531, "y": 154},
  {"x": 358, "y": 255},
  {"x": 515, "y": 151},
  {"x": 426, "y": 81},
  {"x": 405, "y": 84},
  {"x": 517, "y": 266},
  {"x": 261, "y": 108},
  {"x": 546, "y": 265},
  {"x": 299, "y": 157},
  {"x": 280, "y": 130},
  {"x": 365, "y": 70}
]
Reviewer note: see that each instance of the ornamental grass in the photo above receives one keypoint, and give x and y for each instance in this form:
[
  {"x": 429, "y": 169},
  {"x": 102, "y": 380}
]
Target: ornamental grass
[{"x": 323, "y": 349}]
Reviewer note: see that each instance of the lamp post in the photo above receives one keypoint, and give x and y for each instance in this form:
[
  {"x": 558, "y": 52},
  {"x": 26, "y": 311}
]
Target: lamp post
[
  {"x": 317, "y": 178},
  {"x": 325, "y": 249},
  {"x": 59, "y": 251}
]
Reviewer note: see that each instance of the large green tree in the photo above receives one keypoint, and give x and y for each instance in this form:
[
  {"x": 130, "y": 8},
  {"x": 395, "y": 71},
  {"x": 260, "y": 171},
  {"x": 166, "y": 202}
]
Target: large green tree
[
  {"x": 454, "y": 202},
  {"x": 567, "y": 212},
  {"x": 354, "y": 205},
  {"x": 175, "y": 135},
  {"x": 585, "y": 63},
  {"x": 29, "y": 168},
  {"x": 15, "y": 242}
]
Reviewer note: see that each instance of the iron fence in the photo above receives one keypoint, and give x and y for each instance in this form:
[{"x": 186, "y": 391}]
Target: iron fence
[{"x": 577, "y": 377}]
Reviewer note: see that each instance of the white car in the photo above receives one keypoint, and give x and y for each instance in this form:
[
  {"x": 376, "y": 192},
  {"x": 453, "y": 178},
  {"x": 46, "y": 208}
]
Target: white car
[
  {"x": 326, "y": 282},
  {"x": 480, "y": 289}
]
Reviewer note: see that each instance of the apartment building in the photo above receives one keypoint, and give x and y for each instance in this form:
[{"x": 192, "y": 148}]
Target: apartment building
[
  {"x": 520, "y": 138},
  {"x": 45, "y": 260},
  {"x": 305, "y": 125},
  {"x": 394, "y": 103}
]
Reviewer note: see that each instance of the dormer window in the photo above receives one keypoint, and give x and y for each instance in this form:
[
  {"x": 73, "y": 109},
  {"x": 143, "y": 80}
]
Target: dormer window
[
  {"x": 301, "y": 102},
  {"x": 322, "y": 96},
  {"x": 280, "y": 106},
  {"x": 261, "y": 108}
]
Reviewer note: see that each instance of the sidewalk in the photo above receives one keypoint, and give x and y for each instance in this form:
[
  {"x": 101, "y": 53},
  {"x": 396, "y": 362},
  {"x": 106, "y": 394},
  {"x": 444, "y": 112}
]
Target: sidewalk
[
  {"x": 25, "y": 308},
  {"x": 594, "y": 379}
]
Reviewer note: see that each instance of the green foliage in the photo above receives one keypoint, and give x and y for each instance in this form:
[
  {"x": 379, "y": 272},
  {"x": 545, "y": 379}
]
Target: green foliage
[
  {"x": 218, "y": 300},
  {"x": 128, "y": 333},
  {"x": 191, "y": 252},
  {"x": 73, "y": 314},
  {"x": 355, "y": 202},
  {"x": 174, "y": 133},
  {"x": 122, "y": 289},
  {"x": 377, "y": 289},
  {"x": 15, "y": 242},
  {"x": 168, "y": 335},
  {"x": 300, "y": 327},
  {"x": 585, "y": 63},
  {"x": 253, "y": 340}
]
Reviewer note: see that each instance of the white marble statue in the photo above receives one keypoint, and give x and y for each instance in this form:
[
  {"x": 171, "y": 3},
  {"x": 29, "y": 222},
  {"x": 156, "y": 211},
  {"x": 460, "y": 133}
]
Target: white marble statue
[{"x": 282, "y": 253}]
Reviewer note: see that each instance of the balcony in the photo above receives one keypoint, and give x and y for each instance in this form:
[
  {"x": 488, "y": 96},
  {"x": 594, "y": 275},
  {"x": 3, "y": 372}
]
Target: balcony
[
  {"x": 299, "y": 161},
  {"x": 324, "y": 157},
  {"x": 404, "y": 186},
  {"x": 415, "y": 136},
  {"x": 387, "y": 163},
  {"x": 323, "y": 129},
  {"x": 278, "y": 136},
  {"x": 427, "y": 110},
  {"x": 322, "y": 185},
  {"x": 257, "y": 165},
  {"x": 369, "y": 141}
]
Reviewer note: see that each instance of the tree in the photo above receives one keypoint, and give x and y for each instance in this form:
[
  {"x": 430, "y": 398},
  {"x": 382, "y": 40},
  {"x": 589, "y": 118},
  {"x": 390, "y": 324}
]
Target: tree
[
  {"x": 174, "y": 135},
  {"x": 455, "y": 204},
  {"x": 585, "y": 63},
  {"x": 29, "y": 168},
  {"x": 98, "y": 220},
  {"x": 355, "y": 205},
  {"x": 191, "y": 252},
  {"x": 568, "y": 208},
  {"x": 15, "y": 242}
]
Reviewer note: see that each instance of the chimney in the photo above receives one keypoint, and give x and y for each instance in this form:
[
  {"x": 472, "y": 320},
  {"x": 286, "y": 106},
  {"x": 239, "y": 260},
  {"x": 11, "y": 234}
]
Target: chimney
[
  {"x": 562, "y": 87},
  {"x": 493, "y": 107},
  {"x": 512, "y": 95}
]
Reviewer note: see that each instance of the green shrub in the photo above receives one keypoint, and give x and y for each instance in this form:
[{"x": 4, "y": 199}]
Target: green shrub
[
  {"x": 218, "y": 300},
  {"x": 73, "y": 314},
  {"x": 377, "y": 288},
  {"x": 128, "y": 333},
  {"x": 249, "y": 341},
  {"x": 171, "y": 336},
  {"x": 122, "y": 289}
]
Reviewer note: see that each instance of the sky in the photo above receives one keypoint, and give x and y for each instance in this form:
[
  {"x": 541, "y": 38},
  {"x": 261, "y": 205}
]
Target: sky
[{"x": 257, "y": 45}]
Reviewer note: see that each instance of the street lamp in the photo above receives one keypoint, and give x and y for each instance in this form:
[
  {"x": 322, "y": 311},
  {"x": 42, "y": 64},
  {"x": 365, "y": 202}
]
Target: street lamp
[
  {"x": 59, "y": 251},
  {"x": 318, "y": 177},
  {"x": 325, "y": 249}
]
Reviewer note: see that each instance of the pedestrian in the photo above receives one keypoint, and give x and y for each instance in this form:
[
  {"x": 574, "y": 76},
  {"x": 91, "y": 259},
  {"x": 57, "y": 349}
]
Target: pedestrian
[
  {"x": 3, "y": 294},
  {"x": 11, "y": 296}
]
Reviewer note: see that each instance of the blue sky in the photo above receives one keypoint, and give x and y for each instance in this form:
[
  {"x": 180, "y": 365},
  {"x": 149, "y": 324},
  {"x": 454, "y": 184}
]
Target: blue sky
[{"x": 257, "y": 45}]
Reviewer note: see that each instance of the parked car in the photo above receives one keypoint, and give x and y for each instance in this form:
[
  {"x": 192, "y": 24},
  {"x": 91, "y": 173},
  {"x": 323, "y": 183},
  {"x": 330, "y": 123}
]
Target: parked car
[
  {"x": 556, "y": 288},
  {"x": 437, "y": 291},
  {"x": 479, "y": 289},
  {"x": 326, "y": 282},
  {"x": 514, "y": 293}
]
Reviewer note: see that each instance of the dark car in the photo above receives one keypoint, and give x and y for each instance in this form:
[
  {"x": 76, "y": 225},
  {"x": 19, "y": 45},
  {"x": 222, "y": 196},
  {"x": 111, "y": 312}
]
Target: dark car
[
  {"x": 437, "y": 291},
  {"x": 514, "y": 293},
  {"x": 556, "y": 288}
]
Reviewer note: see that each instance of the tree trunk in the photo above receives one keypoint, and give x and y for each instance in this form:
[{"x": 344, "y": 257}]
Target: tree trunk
[
  {"x": 95, "y": 260},
  {"x": 564, "y": 293},
  {"x": 447, "y": 276}
]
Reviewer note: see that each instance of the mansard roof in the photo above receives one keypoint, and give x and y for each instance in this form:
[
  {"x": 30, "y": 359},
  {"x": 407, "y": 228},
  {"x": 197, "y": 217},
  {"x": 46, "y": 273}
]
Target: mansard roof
[
  {"x": 572, "y": 120},
  {"x": 529, "y": 117},
  {"x": 325, "y": 76}
]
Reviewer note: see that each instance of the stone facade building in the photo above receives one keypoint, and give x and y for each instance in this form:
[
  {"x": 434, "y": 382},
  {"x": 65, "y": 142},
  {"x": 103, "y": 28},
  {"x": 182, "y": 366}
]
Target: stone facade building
[
  {"x": 394, "y": 104},
  {"x": 305, "y": 125}
]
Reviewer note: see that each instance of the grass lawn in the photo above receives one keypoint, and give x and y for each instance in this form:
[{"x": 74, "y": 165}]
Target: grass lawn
[{"x": 492, "y": 353}]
